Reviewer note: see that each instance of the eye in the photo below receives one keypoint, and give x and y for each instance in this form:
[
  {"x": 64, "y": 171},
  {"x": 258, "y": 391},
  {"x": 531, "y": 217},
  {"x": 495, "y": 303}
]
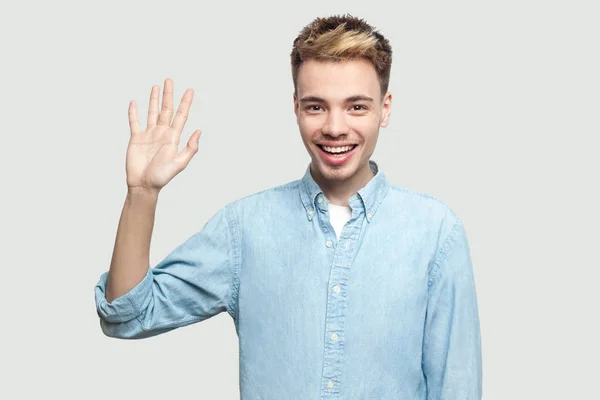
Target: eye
[
  {"x": 313, "y": 108},
  {"x": 359, "y": 107}
]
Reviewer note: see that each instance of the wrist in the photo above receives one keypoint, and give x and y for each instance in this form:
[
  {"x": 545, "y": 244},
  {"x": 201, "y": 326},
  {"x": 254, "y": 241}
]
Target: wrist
[{"x": 142, "y": 193}]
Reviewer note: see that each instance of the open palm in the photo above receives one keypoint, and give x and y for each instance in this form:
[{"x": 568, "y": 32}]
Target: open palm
[{"x": 153, "y": 158}]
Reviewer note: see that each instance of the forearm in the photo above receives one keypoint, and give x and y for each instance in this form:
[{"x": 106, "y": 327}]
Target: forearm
[
  {"x": 131, "y": 254},
  {"x": 193, "y": 282}
]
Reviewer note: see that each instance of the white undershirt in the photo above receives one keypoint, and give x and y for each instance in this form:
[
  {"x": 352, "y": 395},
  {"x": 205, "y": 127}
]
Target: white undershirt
[{"x": 338, "y": 216}]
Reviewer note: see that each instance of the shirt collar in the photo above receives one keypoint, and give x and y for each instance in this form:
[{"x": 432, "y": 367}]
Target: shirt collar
[{"x": 367, "y": 199}]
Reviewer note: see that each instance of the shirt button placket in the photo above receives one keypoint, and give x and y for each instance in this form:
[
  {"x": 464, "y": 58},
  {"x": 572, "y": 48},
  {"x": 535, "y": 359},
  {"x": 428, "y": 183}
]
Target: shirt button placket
[{"x": 334, "y": 325}]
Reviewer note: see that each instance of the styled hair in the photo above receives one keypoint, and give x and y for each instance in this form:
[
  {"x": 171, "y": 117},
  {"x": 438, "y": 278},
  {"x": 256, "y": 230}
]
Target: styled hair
[{"x": 341, "y": 38}]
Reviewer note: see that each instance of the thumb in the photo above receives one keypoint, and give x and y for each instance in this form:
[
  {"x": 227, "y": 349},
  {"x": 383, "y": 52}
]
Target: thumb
[{"x": 184, "y": 157}]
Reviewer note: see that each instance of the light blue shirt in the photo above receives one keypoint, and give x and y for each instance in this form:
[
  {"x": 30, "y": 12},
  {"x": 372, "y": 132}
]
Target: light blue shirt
[{"x": 388, "y": 311}]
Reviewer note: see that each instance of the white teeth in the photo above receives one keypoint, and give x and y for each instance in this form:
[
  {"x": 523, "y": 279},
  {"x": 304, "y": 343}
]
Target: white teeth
[{"x": 337, "y": 149}]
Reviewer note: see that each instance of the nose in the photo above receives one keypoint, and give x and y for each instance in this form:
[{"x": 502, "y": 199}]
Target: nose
[{"x": 336, "y": 124}]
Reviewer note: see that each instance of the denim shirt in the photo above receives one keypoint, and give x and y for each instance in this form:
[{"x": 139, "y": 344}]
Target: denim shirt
[{"x": 388, "y": 311}]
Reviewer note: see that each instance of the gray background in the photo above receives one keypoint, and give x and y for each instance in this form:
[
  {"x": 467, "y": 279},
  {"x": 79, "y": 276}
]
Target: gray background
[{"x": 495, "y": 111}]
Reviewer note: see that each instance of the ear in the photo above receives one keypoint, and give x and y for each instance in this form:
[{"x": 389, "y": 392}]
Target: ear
[
  {"x": 386, "y": 110},
  {"x": 295, "y": 105}
]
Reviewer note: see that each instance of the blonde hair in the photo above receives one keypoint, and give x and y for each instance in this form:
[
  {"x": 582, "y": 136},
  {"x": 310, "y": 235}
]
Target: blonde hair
[{"x": 340, "y": 38}]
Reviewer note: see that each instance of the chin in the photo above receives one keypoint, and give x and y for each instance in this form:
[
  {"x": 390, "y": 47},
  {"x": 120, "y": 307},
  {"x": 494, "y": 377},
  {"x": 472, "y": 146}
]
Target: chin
[{"x": 333, "y": 173}]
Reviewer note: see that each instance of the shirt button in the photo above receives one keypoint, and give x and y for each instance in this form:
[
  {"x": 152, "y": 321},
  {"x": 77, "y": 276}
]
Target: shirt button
[
  {"x": 310, "y": 212},
  {"x": 334, "y": 337},
  {"x": 369, "y": 216},
  {"x": 329, "y": 243},
  {"x": 336, "y": 288},
  {"x": 320, "y": 200},
  {"x": 330, "y": 384}
]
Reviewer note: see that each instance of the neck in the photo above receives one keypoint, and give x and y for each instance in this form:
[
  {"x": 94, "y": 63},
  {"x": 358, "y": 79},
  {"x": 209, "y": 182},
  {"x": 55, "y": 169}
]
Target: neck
[{"x": 338, "y": 192}]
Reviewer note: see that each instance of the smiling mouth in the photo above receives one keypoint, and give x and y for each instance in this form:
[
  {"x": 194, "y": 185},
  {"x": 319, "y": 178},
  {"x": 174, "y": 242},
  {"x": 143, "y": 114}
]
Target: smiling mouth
[{"x": 337, "y": 150}]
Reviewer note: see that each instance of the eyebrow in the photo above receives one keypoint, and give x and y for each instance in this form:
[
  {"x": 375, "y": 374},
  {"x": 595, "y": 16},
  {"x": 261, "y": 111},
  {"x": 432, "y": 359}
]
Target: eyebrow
[{"x": 350, "y": 99}]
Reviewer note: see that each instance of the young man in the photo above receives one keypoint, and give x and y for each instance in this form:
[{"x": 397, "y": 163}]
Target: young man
[{"x": 341, "y": 285}]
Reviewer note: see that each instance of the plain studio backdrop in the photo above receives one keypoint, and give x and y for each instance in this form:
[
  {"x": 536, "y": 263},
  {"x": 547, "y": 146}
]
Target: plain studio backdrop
[{"x": 495, "y": 112}]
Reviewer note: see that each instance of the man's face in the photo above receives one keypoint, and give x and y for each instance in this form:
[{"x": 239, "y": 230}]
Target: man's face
[{"x": 339, "y": 110}]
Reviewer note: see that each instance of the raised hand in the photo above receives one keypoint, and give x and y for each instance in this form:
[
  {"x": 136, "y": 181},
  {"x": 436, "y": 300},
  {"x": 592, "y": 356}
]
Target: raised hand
[{"x": 153, "y": 158}]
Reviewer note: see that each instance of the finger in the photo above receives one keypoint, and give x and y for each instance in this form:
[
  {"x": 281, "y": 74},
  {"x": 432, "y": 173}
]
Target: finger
[
  {"x": 166, "y": 113},
  {"x": 183, "y": 110},
  {"x": 183, "y": 158},
  {"x": 134, "y": 122},
  {"x": 153, "y": 107}
]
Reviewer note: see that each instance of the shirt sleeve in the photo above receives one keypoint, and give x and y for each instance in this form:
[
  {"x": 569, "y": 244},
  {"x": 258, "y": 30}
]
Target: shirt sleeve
[
  {"x": 196, "y": 281},
  {"x": 452, "y": 361}
]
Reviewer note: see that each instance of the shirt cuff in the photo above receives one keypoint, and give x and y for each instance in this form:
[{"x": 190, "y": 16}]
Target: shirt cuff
[{"x": 126, "y": 307}]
